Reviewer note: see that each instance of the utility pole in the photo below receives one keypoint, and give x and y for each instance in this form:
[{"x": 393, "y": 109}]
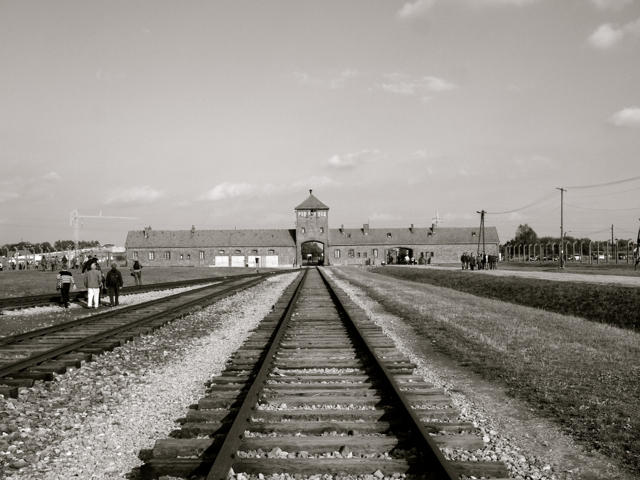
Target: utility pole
[
  {"x": 560, "y": 257},
  {"x": 482, "y": 212}
]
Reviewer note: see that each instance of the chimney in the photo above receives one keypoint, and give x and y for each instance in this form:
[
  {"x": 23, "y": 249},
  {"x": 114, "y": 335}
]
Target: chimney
[
  {"x": 193, "y": 230},
  {"x": 411, "y": 228},
  {"x": 365, "y": 227},
  {"x": 146, "y": 231},
  {"x": 342, "y": 229}
]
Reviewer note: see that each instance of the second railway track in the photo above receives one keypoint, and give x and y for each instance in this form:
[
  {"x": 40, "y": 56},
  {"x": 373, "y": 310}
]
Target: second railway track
[
  {"x": 319, "y": 389},
  {"x": 38, "y": 354}
]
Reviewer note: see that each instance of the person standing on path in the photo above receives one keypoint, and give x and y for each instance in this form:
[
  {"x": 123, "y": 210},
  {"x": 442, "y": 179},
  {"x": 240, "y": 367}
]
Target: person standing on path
[
  {"x": 93, "y": 282},
  {"x": 65, "y": 280},
  {"x": 113, "y": 283},
  {"x": 137, "y": 272}
]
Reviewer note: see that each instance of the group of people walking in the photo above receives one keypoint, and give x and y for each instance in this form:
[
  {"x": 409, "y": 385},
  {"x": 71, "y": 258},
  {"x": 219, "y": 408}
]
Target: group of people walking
[
  {"x": 96, "y": 282},
  {"x": 481, "y": 261}
]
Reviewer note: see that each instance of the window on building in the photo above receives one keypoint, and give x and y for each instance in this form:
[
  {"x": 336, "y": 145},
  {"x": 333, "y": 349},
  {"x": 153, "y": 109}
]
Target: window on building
[
  {"x": 358, "y": 254},
  {"x": 188, "y": 256},
  {"x": 321, "y": 229},
  {"x": 254, "y": 252},
  {"x": 351, "y": 253},
  {"x": 221, "y": 252},
  {"x": 473, "y": 234},
  {"x": 364, "y": 254},
  {"x": 375, "y": 252},
  {"x": 237, "y": 252},
  {"x": 167, "y": 255},
  {"x": 201, "y": 255},
  {"x": 135, "y": 255},
  {"x": 271, "y": 252},
  {"x": 336, "y": 253},
  {"x": 302, "y": 229},
  {"x": 181, "y": 256},
  {"x": 152, "y": 255},
  {"x": 388, "y": 235}
]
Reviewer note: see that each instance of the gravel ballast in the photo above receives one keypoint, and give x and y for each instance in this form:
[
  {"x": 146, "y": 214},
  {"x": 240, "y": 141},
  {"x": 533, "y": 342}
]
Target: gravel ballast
[{"x": 95, "y": 422}]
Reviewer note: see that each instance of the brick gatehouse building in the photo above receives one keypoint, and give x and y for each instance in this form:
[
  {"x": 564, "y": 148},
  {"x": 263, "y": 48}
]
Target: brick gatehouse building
[{"x": 312, "y": 241}]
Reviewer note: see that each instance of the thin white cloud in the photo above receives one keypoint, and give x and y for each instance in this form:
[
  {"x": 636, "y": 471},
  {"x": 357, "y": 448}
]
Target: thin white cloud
[
  {"x": 230, "y": 190},
  {"x": 352, "y": 160},
  {"x": 17, "y": 189},
  {"x": 421, "y": 8},
  {"x": 423, "y": 87},
  {"x": 338, "y": 81},
  {"x": 611, "y": 4},
  {"x": 383, "y": 217},
  {"x": 627, "y": 117},
  {"x": 609, "y": 35},
  {"x": 131, "y": 196}
]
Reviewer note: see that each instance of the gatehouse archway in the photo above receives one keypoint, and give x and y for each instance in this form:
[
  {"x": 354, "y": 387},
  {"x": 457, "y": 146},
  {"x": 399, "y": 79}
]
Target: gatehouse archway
[
  {"x": 312, "y": 253},
  {"x": 399, "y": 256}
]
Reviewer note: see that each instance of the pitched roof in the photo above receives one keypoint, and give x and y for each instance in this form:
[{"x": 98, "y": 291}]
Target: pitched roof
[
  {"x": 312, "y": 203},
  {"x": 211, "y": 238},
  {"x": 404, "y": 236}
]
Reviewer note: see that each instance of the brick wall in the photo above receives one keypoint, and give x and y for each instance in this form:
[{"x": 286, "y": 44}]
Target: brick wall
[
  {"x": 191, "y": 257},
  {"x": 437, "y": 253}
]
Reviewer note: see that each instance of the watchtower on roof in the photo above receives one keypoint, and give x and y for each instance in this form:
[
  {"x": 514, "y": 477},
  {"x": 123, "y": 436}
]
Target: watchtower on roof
[{"x": 312, "y": 228}]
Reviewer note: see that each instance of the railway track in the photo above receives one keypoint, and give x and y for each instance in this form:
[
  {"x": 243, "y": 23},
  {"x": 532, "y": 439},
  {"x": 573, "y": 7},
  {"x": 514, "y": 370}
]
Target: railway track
[
  {"x": 319, "y": 389},
  {"x": 15, "y": 303},
  {"x": 38, "y": 354}
]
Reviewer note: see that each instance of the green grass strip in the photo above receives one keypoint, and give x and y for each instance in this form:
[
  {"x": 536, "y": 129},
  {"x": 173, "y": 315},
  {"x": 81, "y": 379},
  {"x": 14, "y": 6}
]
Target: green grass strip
[{"x": 613, "y": 304}]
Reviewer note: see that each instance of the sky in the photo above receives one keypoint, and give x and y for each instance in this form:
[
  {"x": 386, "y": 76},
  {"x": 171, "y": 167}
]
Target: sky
[{"x": 223, "y": 114}]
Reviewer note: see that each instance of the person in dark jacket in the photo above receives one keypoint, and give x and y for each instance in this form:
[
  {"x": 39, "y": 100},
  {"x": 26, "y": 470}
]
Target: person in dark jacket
[
  {"x": 88, "y": 263},
  {"x": 136, "y": 269},
  {"x": 113, "y": 283}
]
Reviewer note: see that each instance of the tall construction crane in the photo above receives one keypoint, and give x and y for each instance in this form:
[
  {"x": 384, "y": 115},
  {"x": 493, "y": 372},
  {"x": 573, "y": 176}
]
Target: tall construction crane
[{"x": 75, "y": 220}]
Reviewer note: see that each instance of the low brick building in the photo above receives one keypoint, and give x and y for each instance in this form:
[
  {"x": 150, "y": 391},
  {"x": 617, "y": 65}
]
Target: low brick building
[{"x": 312, "y": 241}]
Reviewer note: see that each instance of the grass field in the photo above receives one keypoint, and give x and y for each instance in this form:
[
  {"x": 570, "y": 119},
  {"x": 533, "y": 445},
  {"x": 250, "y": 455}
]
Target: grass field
[
  {"x": 613, "y": 304},
  {"x": 584, "y": 268},
  {"x": 584, "y": 375},
  {"x": 18, "y": 283}
]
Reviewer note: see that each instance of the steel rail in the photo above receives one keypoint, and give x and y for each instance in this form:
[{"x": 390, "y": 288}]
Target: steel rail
[
  {"x": 14, "y": 367},
  {"x": 16, "y": 303},
  {"x": 441, "y": 469},
  {"x": 90, "y": 319},
  {"x": 227, "y": 453}
]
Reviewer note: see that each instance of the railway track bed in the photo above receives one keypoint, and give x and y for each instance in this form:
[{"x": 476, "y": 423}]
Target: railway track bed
[
  {"x": 94, "y": 421},
  {"x": 319, "y": 389}
]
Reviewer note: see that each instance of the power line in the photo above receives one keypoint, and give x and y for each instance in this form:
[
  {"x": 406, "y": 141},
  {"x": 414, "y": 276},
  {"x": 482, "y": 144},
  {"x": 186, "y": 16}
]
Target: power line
[
  {"x": 544, "y": 198},
  {"x": 617, "y": 182},
  {"x": 603, "y": 209},
  {"x": 605, "y": 194}
]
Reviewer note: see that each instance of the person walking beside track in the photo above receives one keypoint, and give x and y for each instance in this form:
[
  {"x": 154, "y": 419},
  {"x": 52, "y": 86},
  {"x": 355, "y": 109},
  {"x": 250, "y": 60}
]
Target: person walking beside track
[
  {"x": 136, "y": 269},
  {"x": 113, "y": 283},
  {"x": 93, "y": 282},
  {"x": 65, "y": 280}
]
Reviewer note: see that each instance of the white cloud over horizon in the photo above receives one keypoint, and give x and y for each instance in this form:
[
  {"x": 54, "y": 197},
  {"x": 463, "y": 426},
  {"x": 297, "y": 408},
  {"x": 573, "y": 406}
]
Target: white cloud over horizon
[
  {"x": 420, "y": 8},
  {"x": 337, "y": 81},
  {"x": 408, "y": 85},
  {"x": 18, "y": 188},
  {"x": 608, "y": 35},
  {"x": 353, "y": 160},
  {"x": 133, "y": 196},
  {"x": 230, "y": 190},
  {"x": 627, "y": 117},
  {"x": 611, "y": 4}
]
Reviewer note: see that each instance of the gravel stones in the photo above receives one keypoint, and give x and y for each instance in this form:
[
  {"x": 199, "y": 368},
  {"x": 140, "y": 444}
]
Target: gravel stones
[{"x": 95, "y": 422}]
